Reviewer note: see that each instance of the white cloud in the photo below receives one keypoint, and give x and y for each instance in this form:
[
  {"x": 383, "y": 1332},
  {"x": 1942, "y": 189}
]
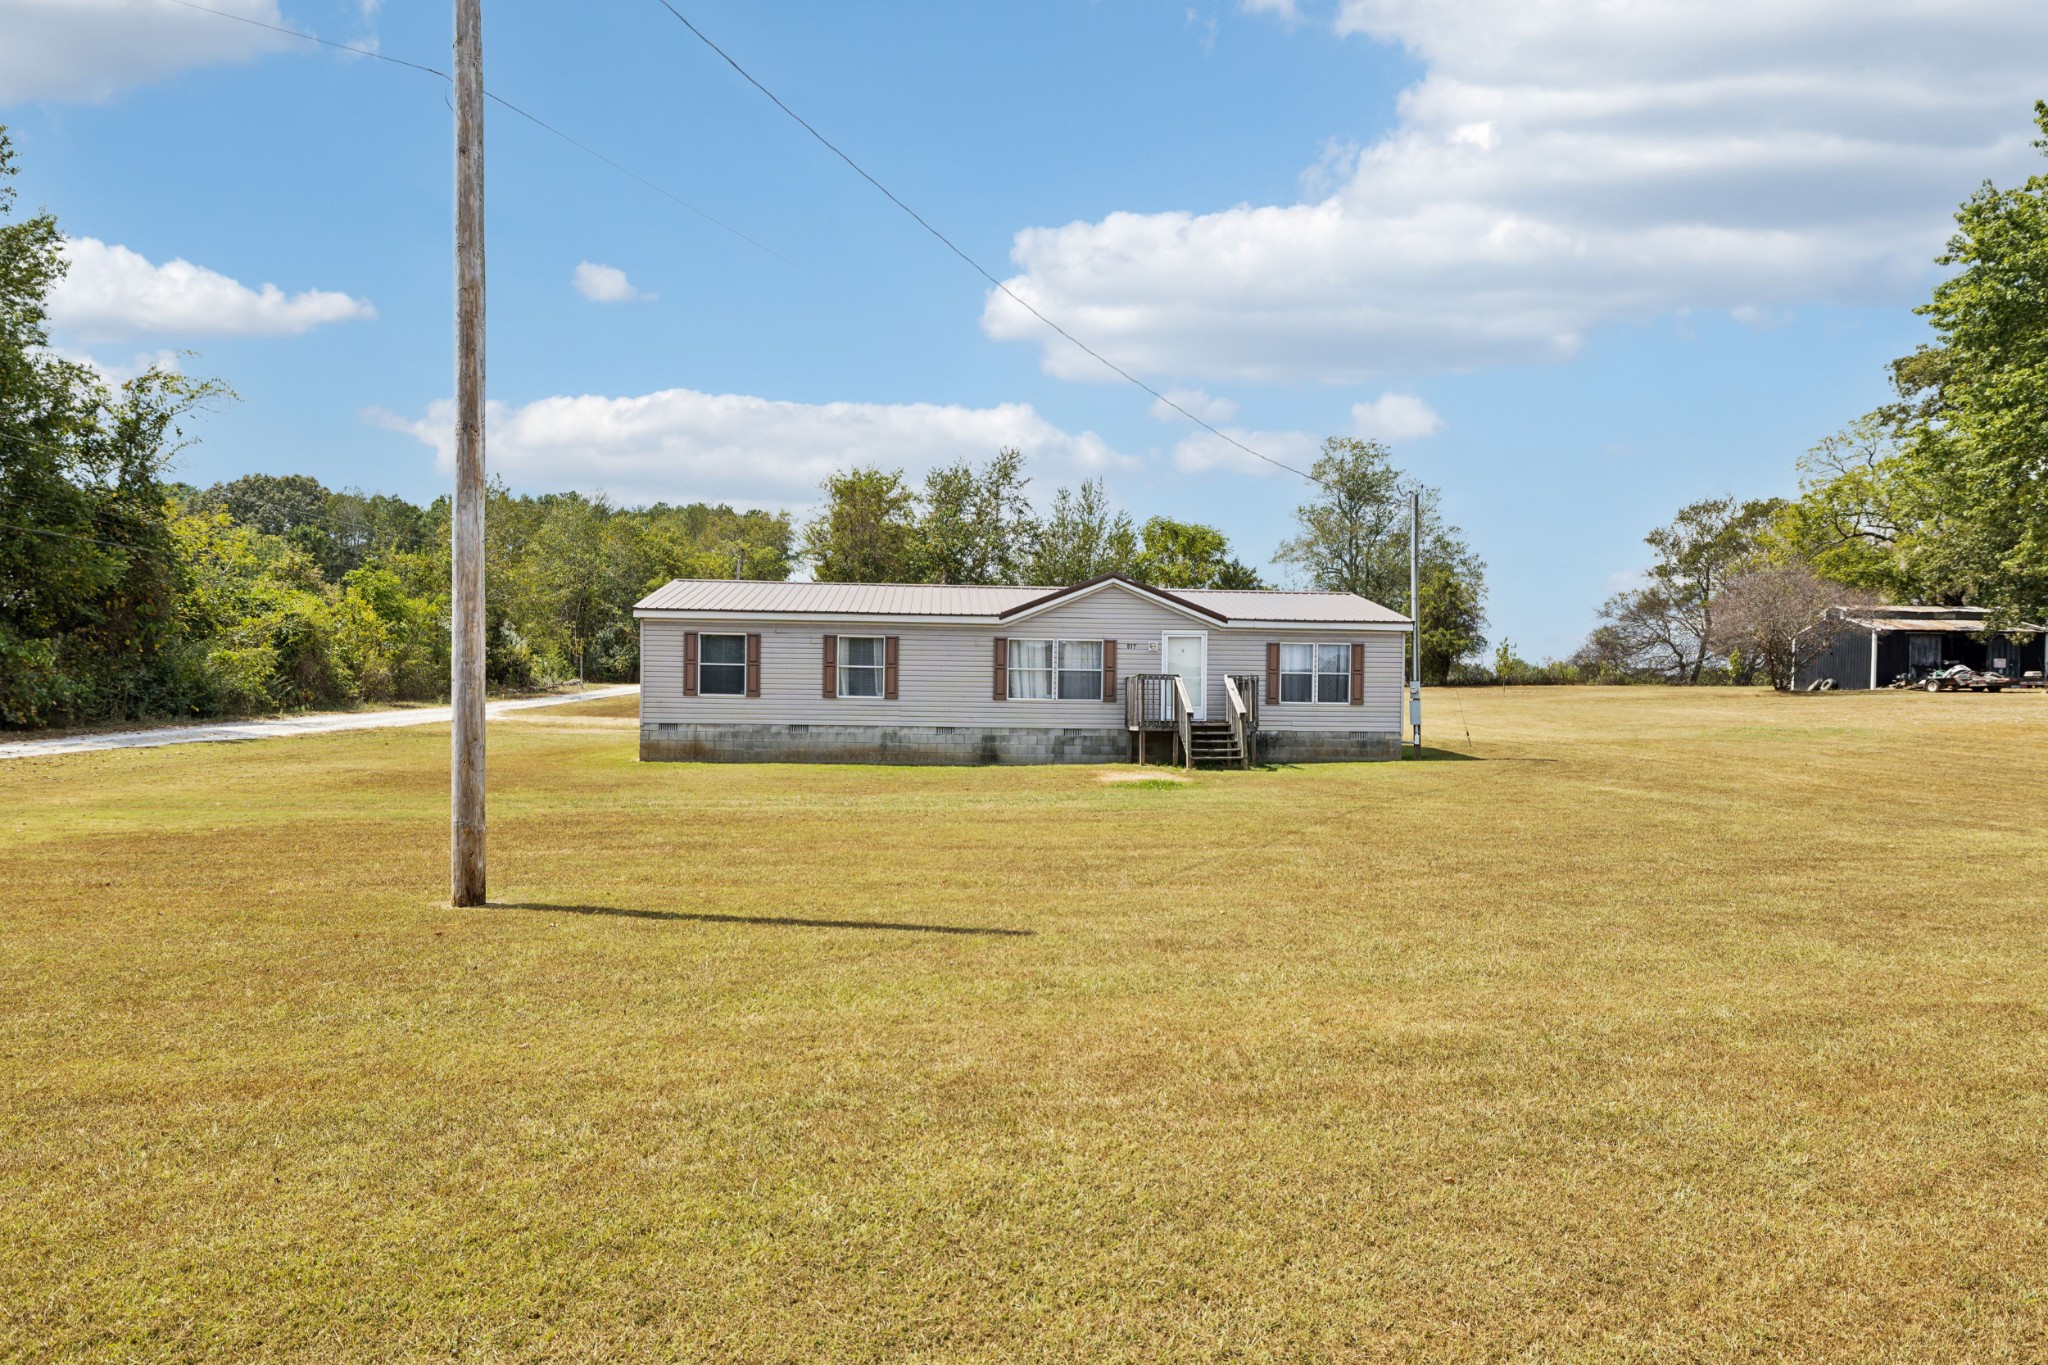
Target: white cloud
[
  {"x": 605, "y": 284},
  {"x": 93, "y": 49},
  {"x": 113, "y": 294},
  {"x": 1202, "y": 405},
  {"x": 682, "y": 445},
  {"x": 1333, "y": 169},
  {"x": 1396, "y": 417},
  {"x": 1562, "y": 166},
  {"x": 1203, "y": 452},
  {"x": 1286, "y": 11}
]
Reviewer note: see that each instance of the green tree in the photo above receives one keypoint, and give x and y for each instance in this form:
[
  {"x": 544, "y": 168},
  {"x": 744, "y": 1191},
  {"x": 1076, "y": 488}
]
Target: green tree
[
  {"x": 1083, "y": 539},
  {"x": 1453, "y": 617},
  {"x": 975, "y": 525},
  {"x": 700, "y": 540},
  {"x": 1942, "y": 494},
  {"x": 1856, "y": 521},
  {"x": 579, "y": 576},
  {"x": 1186, "y": 554},
  {"x": 1354, "y": 537},
  {"x": 1353, "y": 534},
  {"x": 1974, "y": 407},
  {"x": 275, "y": 504},
  {"x": 89, "y": 577},
  {"x": 867, "y": 530},
  {"x": 362, "y": 527}
]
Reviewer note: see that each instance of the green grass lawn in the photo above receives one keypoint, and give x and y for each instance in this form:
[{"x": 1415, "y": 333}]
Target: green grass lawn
[{"x": 1667, "y": 1025}]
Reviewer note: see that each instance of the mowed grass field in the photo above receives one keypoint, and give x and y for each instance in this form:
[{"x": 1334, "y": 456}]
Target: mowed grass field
[{"x": 1642, "y": 1025}]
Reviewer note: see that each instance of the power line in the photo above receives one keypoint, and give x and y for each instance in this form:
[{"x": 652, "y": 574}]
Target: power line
[
  {"x": 295, "y": 33},
  {"x": 626, "y": 171},
  {"x": 824, "y": 141},
  {"x": 977, "y": 267},
  {"x": 534, "y": 119}
]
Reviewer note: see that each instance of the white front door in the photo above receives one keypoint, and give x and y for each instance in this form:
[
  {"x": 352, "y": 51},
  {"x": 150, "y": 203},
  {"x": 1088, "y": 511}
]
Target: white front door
[{"x": 1188, "y": 655}]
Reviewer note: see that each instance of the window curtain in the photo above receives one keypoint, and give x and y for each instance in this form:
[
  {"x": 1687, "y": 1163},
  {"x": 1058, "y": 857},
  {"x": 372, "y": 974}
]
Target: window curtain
[
  {"x": 1297, "y": 673},
  {"x": 1030, "y": 670},
  {"x": 1081, "y": 670}
]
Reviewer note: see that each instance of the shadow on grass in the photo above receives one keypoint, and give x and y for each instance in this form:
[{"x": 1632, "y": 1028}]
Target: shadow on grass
[
  {"x": 1429, "y": 755},
  {"x": 781, "y": 921}
]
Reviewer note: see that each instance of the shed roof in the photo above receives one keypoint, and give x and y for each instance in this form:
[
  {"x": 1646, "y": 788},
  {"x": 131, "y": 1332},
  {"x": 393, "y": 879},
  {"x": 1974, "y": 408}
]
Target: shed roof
[
  {"x": 1928, "y": 620},
  {"x": 741, "y": 597}
]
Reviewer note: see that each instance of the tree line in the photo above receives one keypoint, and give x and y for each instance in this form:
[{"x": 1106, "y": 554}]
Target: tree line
[
  {"x": 975, "y": 523},
  {"x": 127, "y": 595},
  {"x": 1937, "y": 497}
]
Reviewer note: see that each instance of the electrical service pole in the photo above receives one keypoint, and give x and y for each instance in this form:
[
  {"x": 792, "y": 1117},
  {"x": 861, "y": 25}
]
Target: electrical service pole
[
  {"x": 1415, "y": 617},
  {"x": 466, "y": 618}
]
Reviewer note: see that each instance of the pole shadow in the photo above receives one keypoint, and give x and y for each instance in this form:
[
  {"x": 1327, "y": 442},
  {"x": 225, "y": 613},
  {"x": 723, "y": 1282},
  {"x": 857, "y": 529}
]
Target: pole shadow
[{"x": 775, "y": 921}]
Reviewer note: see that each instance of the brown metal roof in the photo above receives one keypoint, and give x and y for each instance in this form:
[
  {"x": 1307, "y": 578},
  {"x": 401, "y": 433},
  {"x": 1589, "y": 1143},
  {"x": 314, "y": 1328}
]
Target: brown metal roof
[
  {"x": 750, "y": 597},
  {"x": 1292, "y": 606}
]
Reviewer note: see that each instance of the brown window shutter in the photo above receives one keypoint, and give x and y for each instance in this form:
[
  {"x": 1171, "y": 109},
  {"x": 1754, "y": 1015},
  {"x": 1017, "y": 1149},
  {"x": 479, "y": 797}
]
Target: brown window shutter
[
  {"x": 1109, "y": 670},
  {"x": 1273, "y": 674},
  {"x": 753, "y": 665},
  {"x": 889, "y": 668},
  {"x": 1002, "y": 669},
  {"x": 831, "y": 665},
  {"x": 1357, "y": 674},
  {"x": 689, "y": 663}
]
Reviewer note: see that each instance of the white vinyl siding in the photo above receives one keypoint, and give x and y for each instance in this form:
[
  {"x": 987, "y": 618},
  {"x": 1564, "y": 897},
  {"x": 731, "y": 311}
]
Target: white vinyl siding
[{"x": 944, "y": 669}]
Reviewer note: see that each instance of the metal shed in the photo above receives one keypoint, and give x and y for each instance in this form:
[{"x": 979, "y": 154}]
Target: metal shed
[{"x": 1889, "y": 642}]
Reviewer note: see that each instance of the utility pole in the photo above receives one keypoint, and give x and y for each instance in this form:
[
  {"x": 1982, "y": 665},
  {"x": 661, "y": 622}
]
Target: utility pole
[
  {"x": 466, "y": 619},
  {"x": 1415, "y": 617}
]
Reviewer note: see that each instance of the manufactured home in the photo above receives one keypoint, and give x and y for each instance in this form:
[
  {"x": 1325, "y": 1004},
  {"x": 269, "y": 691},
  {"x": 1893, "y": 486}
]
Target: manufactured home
[{"x": 935, "y": 673}]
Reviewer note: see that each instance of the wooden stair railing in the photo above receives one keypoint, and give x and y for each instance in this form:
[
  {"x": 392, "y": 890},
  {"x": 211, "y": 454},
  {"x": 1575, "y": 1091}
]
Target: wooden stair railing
[
  {"x": 1184, "y": 717},
  {"x": 1240, "y": 721}
]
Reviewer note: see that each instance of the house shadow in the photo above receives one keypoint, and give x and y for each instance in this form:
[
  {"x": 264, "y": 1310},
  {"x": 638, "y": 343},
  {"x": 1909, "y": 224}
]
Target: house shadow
[
  {"x": 1429, "y": 755},
  {"x": 774, "y": 921}
]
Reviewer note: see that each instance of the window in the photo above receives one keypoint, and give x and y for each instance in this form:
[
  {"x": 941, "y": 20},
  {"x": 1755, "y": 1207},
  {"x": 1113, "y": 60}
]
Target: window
[
  {"x": 862, "y": 659},
  {"x": 1080, "y": 670},
  {"x": 1070, "y": 670},
  {"x": 1315, "y": 673},
  {"x": 1333, "y": 673},
  {"x": 722, "y": 665},
  {"x": 1030, "y": 670}
]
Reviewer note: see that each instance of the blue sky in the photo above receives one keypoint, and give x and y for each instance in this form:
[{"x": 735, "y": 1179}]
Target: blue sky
[{"x": 1578, "y": 262}]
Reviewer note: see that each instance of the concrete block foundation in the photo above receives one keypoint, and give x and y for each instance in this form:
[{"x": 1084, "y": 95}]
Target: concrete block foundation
[
  {"x": 907, "y": 744},
  {"x": 968, "y": 745},
  {"x": 1328, "y": 746}
]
